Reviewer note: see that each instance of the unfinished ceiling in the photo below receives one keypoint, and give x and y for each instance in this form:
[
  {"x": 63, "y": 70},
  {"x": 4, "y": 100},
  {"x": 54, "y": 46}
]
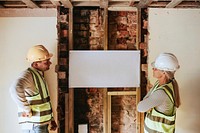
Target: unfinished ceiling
[{"x": 100, "y": 3}]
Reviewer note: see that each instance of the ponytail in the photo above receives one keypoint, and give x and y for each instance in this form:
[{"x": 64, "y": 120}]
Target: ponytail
[
  {"x": 170, "y": 76},
  {"x": 176, "y": 93}
]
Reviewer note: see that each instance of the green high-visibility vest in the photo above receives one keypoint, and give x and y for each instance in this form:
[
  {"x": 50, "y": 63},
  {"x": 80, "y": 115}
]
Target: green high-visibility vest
[
  {"x": 158, "y": 122},
  {"x": 39, "y": 103}
]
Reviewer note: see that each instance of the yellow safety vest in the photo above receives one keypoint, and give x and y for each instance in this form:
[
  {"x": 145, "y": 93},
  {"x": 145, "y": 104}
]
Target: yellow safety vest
[
  {"x": 158, "y": 122},
  {"x": 39, "y": 103}
]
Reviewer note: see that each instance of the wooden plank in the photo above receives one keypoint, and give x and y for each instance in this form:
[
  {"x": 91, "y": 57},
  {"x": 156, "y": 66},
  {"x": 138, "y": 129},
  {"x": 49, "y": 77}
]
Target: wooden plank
[
  {"x": 139, "y": 27},
  {"x": 55, "y": 3},
  {"x": 71, "y": 90},
  {"x": 109, "y": 113},
  {"x": 117, "y": 93},
  {"x": 173, "y": 3},
  {"x": 30, "y": 4},
  {"x": 138, "y": 115},
  {"x": 71, "y": 29},
  {"x": 103, "y": 3},
  {"x": 87, "y": 3},
  {"x": 66, "y": 3},
  {"x": 26, "y": 12},
  {"x": 122, "y": 9},
  {"x": 71, "y": 111},
  {"x": 105, "y": 27},
  {"x": 66, "y": 113},
  {"x": 105, "y": 91},
  {"x": 144, "y": 3},
  {"x": 105, "y": 111}
]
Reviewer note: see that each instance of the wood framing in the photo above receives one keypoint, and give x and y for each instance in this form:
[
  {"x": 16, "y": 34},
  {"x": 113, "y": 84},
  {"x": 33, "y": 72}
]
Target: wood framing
[
  {"x": 66, "y": 3},
  {"x": 173, "y": 3},
  {"x": 28, "y": 12},
  {"x": 123, "y": 93},
  {"x": 70, "y": 128},
  {"x": 30, "y": 4}
]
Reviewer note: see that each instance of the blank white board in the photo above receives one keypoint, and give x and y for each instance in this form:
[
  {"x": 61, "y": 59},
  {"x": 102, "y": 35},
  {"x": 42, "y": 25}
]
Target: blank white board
[{"x": 104, "y": 69}]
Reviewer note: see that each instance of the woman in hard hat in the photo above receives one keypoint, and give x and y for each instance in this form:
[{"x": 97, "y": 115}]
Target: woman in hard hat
[
  {"x": 163, "y": 99},
  {"x": 30, "y": 92}
]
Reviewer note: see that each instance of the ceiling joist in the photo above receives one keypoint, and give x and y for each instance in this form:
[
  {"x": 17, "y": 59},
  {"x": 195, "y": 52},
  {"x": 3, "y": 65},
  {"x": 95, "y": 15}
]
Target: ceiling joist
[
  {"x": 30, "y": 4},
  {"x": 103, "y": 3},
  {"x": 112, "y": 4},
  {"x": 173, "y": 3},
  {"x": 66, "y": 3},
  {"x": 144, "y": 3}
]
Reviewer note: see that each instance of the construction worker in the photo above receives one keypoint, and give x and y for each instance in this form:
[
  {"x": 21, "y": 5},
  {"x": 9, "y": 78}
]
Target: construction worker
[
  {"x": 31, "y": 94},
  {"x": 163, "y": 99}
]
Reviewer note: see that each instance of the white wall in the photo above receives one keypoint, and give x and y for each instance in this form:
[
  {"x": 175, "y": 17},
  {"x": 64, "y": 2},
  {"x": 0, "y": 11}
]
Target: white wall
[
  {"x": 17, "y": 35},
  {"x": 178, "y": 31}
]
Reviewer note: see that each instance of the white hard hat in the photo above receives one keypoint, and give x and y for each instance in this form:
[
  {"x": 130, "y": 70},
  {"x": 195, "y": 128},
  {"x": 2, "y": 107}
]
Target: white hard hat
[
  {"x": 166, "y": 62},
  {"x": 38, "y": 53}
]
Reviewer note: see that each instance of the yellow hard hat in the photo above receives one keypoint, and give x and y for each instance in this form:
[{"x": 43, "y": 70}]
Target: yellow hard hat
[{"x": 38, "y": 53}]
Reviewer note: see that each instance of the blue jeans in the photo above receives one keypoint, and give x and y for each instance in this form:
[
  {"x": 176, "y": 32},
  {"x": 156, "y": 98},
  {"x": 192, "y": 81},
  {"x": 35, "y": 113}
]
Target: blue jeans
[{"x": 37, "y": 129}]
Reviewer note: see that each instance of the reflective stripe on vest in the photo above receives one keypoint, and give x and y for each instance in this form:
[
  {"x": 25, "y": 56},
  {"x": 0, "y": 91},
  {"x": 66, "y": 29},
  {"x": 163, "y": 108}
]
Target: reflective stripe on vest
[
  {"x": 39, "y": 103},
  {"x": 157, "y": 122}
]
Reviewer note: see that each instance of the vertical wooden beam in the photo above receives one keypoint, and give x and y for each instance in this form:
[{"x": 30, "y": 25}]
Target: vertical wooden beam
[
  {"x": 105, "y": 111},
  {"x": 105, "y": 25},
  {"x": 71, "y": 111},
  {"x": 139, "y": 25},
  {"x": 71, "y": 28},
  {"x": 109, "y": 112},
  {"x": 138, "y": 115},
  {"x": 71, "y": 90},
  {"x": 66, "y": 113},
  {"x": 105, "y": 96}
]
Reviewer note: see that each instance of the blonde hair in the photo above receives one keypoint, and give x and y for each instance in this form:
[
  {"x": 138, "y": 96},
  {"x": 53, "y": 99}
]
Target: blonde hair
[{"x": 170, "y": 76}]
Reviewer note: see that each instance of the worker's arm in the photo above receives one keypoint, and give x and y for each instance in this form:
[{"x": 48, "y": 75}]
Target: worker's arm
[
  {"x": 20, "y": 88},
  {"x": 153, "y": 100}
]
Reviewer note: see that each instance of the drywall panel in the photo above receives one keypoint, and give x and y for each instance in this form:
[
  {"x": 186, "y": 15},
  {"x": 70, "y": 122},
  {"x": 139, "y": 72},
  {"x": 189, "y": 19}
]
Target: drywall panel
[
  {"x": 104, "y": 69},
  {"x": 17, "y": 35},
  {"x": 178, "y": 31}
]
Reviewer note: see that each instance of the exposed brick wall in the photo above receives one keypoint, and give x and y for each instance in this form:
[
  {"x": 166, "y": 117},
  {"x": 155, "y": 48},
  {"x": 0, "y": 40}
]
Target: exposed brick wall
[
  {"x": 95, "y": 115},
  {"x": 88, "y": 29},
  {"x": 122, "y": 30},
  {"x": 62, "y": 67},
  {"x": 88, "y": 35},
  {"x": 123, "y": 112}
]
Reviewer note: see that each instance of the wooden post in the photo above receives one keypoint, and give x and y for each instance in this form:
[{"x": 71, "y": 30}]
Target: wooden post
[
  {"x": 105, "y": 97},
  {"x": 71, "y": 90}
]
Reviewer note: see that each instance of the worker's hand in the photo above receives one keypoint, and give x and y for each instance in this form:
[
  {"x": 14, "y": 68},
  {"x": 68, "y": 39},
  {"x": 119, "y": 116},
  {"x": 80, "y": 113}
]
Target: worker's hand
[
  {"x": 53, "y": 125},
  {"x": 27, "y": 114}
]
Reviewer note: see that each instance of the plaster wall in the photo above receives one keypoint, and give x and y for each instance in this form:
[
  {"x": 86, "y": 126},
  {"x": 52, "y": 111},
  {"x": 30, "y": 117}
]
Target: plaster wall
[
  {"x": 17, "y": 35},
  {"x": 177, "y": 31}
]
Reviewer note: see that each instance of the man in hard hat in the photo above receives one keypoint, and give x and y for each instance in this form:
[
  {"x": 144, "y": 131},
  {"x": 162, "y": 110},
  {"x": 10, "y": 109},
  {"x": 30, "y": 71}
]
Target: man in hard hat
[
  {"x": 31, "y": 94},
  {"x": 162, "y": 100}
]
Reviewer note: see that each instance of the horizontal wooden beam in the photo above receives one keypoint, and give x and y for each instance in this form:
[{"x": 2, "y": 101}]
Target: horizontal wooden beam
[
  {"x": 122, "y": 9},
  {"x": 122, "y": 93},
  {"x": 25, "y": 12}
]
